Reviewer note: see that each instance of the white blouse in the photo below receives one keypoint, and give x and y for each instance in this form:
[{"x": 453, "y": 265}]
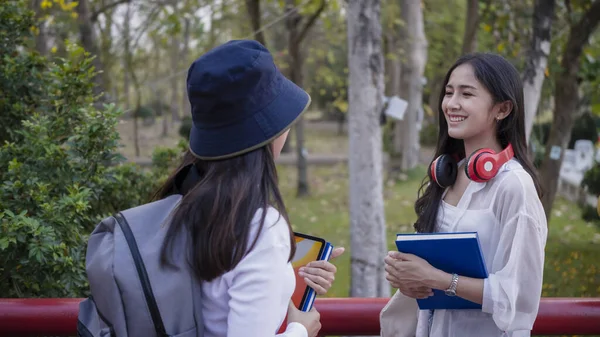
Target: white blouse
[
  {"x": 252, "y": 299},
  {"x": 510, "y": 221}
]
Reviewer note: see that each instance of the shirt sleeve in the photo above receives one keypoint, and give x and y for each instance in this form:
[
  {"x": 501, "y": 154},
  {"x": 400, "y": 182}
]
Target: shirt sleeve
[
  {"x": 256, "y": 293},
  {"x": 512, "y": 292}
]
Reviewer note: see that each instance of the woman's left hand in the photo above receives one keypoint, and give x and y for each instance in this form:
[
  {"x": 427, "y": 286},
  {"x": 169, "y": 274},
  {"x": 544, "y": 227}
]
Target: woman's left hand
[{"x": 320, "y": 275}]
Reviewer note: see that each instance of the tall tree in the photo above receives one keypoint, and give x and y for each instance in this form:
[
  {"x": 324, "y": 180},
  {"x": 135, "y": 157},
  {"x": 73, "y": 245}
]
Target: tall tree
[
  {"x": 87, "y": 17},
  {"x": 90, "y": 43},
  {"x": 129, "y": 67},
  {"x": 411, "y": 87},
  {"x": 253, "y": 8},
  {"x": 365, "y": 93},
  {"x": 175, "y": 30},
  {"x": 298, "y": 26},
  {"x": 566, "y": 96},
  {"x": 471, "y": 24},
  {"x": 537, "y": 59}
]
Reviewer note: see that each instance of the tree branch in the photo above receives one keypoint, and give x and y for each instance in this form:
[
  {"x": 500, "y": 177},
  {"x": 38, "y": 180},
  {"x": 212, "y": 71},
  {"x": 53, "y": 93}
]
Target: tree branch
[
  {"x": 569, "y": 12},
  {"x": 310, "y": 22},
  {"x": 579, "y": 35},
  {"x": 96, "y": 14}
]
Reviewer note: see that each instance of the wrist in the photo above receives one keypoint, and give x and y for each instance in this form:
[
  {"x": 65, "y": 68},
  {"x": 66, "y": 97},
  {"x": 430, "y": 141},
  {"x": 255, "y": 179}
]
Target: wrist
[
  {"x": 440, "y": 280},
  {"x": 296, "y": 328}
]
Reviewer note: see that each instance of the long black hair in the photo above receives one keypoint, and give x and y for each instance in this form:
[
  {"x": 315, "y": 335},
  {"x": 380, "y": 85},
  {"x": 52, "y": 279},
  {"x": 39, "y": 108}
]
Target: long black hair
[
  {"x": 218, "y": 210},
  {"x": 503, "y": 82}
]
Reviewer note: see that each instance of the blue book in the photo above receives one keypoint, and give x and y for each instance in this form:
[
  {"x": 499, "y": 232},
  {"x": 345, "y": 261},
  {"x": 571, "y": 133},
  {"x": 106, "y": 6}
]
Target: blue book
[{"x": 458, "y": 253}]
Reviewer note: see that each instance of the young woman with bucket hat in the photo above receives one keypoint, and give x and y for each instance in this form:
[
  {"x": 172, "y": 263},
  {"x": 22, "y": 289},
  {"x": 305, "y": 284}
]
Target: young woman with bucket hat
[{"x": 241, "y": 243}]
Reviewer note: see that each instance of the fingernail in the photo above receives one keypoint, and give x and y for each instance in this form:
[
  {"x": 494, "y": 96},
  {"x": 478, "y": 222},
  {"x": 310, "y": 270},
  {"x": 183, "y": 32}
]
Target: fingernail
[
  {"x": 301, "y": 269},
  {"x": 301, "y": 274}
]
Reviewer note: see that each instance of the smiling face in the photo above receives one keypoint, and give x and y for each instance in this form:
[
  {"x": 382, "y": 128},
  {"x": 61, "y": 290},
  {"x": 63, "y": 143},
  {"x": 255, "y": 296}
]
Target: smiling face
[{"x": 469, "y": 108}]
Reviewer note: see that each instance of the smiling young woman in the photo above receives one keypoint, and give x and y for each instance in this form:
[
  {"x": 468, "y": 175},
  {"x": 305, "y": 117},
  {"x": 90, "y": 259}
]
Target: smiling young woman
[{"x": 481, "y": 180}]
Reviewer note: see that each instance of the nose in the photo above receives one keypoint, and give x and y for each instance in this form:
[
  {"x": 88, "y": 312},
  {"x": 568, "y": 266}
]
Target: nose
[{"x": 452, "y": 103}]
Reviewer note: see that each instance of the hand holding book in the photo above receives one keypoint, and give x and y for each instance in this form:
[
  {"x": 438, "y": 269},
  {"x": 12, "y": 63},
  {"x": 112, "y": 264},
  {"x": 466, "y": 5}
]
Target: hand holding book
[
  {"x": 408, "y": 273},
  {"x": 424, "y": 266},
  {"x": 320, "y": 275},
  {"x": 314, "y": 272}
]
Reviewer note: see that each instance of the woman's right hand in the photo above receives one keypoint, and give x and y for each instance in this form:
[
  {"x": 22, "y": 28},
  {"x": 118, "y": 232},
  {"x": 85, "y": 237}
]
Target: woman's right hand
[
  {"x": 411, "y": 289},
  {"x": 310, "y": 320}
]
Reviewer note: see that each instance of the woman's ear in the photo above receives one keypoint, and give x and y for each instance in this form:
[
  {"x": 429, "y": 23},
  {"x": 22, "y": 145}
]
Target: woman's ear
[{"x": 504, "y": 109}]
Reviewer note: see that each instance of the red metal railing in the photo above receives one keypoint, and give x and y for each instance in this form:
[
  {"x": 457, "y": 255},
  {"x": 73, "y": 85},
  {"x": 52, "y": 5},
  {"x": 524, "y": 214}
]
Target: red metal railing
[{"x": 339, "y": 316}]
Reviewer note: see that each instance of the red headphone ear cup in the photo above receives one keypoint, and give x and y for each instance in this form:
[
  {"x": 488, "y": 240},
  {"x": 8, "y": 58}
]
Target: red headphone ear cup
[
  {"x": 443, "y": 170},
  {"x": 431, "y": 170},
  {"x": 481, "y": 165},
  {"x": 470, "y": 173}
]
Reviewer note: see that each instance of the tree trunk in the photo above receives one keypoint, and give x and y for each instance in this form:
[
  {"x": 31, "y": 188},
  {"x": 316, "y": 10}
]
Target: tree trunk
[
  {"x": 90, "y": 44},
  {"x": 158, "y": 91},
  {"x": 175, "y": 54},
  {"x": 537, "y": 60},
  {"x": 185, "y": 102},
  {"x": 395, "y": 72},
  {"x": 367, "y": 216},
  {"x": 392, "y": 64},
  {"x": 296, "y": 33},
  {"x": 130, "y": 69},
  {"x": 253, "y": 7},
  {"x": 566, "y": 97},
  {"x": 471, "y": 24},
  {"x": 434, "y": 97},
  {"x": 392, "y": 88},
  {"x": 41, "y": 43},
  {"x": 413, "y": 66},
  {"x": 295, "y": 74},
  {"x": 126, "y": 84}
]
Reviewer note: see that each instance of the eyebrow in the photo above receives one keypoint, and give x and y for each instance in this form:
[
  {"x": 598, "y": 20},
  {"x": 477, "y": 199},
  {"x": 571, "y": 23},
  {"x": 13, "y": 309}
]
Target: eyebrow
[{"x": 462, "y": 86}]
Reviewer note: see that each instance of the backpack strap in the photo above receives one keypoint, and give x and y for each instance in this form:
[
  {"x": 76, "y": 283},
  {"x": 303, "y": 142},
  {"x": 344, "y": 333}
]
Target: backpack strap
[{"x": 143, "y": 275}]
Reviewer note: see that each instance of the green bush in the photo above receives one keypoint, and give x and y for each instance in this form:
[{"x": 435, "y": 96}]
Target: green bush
[
  {"x": 591, "y": 183},
  {"x": 185, "y": 127},
  {"x": 591, "y": 180},
  {"x": 21, "y": 74},
  {"x": 60, "y": 171},
  {"x": 584, "y": 128}
]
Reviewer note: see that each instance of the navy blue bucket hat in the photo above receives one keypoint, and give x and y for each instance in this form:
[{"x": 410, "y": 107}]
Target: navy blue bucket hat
[{"x": 240, "y": 101}]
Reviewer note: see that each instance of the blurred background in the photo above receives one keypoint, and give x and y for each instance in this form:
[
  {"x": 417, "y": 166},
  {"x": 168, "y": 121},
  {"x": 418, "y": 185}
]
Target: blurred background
[{"x": 95, "y": 114}]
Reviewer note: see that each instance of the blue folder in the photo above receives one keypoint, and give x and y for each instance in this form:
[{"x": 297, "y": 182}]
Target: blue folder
[{"x": 458, "y": 253}]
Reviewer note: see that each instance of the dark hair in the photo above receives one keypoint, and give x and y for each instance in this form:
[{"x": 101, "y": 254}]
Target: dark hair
[
  {"x": 503, "y": 82},
  {"x": 218, "y": 210}
]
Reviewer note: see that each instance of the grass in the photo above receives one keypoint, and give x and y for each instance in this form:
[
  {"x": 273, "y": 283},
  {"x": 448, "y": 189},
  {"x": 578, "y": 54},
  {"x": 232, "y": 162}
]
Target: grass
[{"x": 572, "y": 254}]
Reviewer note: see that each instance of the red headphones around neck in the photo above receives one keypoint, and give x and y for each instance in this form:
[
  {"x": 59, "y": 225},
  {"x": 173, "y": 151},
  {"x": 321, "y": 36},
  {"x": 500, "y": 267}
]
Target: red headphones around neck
[{"x": 482, "y": 165}]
